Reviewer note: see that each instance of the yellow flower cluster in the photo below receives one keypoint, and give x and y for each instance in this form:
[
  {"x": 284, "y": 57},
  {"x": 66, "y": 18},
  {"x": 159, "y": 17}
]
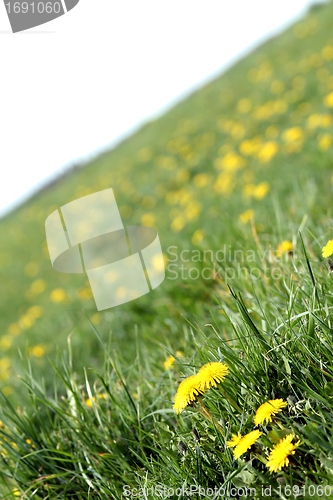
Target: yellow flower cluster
[{"x": 278, "y": 456}]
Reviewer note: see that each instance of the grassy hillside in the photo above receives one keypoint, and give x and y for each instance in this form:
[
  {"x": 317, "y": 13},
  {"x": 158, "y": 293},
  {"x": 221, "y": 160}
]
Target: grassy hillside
[{"x": 238, "y": 182}]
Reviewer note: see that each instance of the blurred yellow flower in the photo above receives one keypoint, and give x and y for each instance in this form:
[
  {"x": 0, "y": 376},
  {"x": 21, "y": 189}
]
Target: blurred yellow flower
[
  {"x": 272, "y": 132},
  {"x": 14, "y": 329},
  {"x": 148, "y": 219},
  {"x": 192, "y": 210},
  {"x": 246, "y": 442},
  {"x": 234, "y": 441},
  {"x": 231, "y": 162},
  {"x": 6, "y": 342},
  {"x": 249, "y": 147},
  {"x": 246, "y": 216},
  {"x": 200, "y": 180},
  {"x": 267, "y": 151},
  {"x": 89, "y": 401},
  {"x": 224, "y": 183},
  {"x": 325, "y": 141},
  {"x": 6, "y": 391},
  {"x": 85, "y": 293},
  {"x": 26, "y": 321},
  {"x": 144, "y": 154},
  {"x": 58, "y": 295},
  {"x": 38, "y": 351},
  {"x": 4, "y": 368},
  {"x": 96, "y": 319},
  {"x": 327, "y": 53},
  {"x": 277, "y": 87},
  {"x": 244, "y": 105},
  {"x": 261, "y": 190},
  {"x": 31, "y": 269},
  {"x": 178, "y": 223},
  {"x": 37, "y": 287},
  {"x": 328, "y": 100},
  {"x": 187, "y": 393},
  {"x": 171, "y": 359},
  {"x": 211, "y": 374},
  {"x": 248, "y": 190},
  {"x": 197, "y": 236},
  {"x": 293, "y": 134},
  {"x": 317, "y": 120},
  {"x": 35, "y": 312},
  {"x": 327, "y": 249},
  {"x": 285, "y": 246}
]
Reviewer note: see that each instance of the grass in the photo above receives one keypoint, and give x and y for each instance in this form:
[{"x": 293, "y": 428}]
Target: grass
[{"x": 225, "y": 177}]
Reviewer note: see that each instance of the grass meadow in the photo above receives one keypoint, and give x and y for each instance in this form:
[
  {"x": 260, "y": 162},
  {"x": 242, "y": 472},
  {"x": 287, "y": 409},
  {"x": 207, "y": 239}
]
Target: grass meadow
[{"x": 219, "y": 383}]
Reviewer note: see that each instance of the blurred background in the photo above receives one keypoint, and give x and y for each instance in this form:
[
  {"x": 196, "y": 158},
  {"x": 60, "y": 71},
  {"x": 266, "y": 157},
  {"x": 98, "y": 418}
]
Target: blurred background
[{"x": 80, "y": 84}]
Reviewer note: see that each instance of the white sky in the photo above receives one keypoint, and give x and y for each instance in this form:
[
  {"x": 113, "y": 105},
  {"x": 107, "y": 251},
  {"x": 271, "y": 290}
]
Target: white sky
[{"x": 78, "y": 84}]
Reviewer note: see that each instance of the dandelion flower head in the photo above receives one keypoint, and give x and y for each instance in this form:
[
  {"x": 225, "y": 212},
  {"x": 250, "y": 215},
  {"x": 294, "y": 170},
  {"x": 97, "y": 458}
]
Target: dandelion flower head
[
  {"x": 234, "y": 441},
  {"x": 285, "y": 246},
  {"x": 187, "y": 393},
  {"x": 279, "y": 454},
  {"x": 327, "y": 249},
  {"x": 211, "y": 374},
  {"x": 268, "y": 409},
  {"x": 246, "y": 442}
]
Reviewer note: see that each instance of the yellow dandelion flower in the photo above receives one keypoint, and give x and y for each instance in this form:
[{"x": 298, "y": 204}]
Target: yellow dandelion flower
[
  {"x": 14, "y": 329},
  {"x": 37, "y": 287},
  {"x": 327, "y": 249},
  {"x": 293, "y": 134},
  {"x": 85, "y": 293},
  {"x": 89, "y": 401},
  {"x": 38, "y": 351},
  {"x": 246, "y": 442},
  {"x": 234, "y": 441},
  {"x": 261, "y": 190},
  {"x": 35, "y": 312},
  {"x": 268, "y": 151},
  {"x": 178, "y": 223},
  {"x": 231, "y": 162},
  {"x": 244, "y": 105},
  {"x": 169, "y": 362},
  {"x": 285, "y": 246},
  {"x": 246, "y": 216},
  {"x": 211, "y": 374},
  {"x": 325, "y": 141},
  {"x": 328, "y": 101},
  {"x": 171, "y": 359},
  {"x": 58, "y": 295},
  {"x": 224, "y": 183},
  {"x": 148, "y": 219},
  {"x": 198, "y": 236},
  {"x": 278, "y": 456},
  {"x": 266, "y": 410},
  {"x": 187, "y": 393}
]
